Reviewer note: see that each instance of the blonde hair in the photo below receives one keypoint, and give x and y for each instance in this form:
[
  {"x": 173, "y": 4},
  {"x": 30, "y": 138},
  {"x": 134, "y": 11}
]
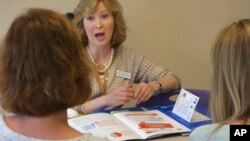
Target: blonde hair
[
  {"x": 230, "y": 55},
  {"x": 86, "y": 7}
]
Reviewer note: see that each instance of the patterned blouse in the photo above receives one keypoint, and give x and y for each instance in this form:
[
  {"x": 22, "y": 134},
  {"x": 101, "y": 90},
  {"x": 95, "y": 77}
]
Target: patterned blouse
[{"x": 128, "y": 66}]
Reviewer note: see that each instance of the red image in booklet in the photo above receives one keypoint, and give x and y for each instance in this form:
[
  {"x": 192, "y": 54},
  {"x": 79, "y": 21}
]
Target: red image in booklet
[{"x": 155, "y": 125}]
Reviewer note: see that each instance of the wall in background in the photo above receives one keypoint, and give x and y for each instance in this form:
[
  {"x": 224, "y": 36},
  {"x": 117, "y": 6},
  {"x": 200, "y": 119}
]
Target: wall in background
[
  {"x": 175, "y": 33},
  {"x": 9, "y": 9}
]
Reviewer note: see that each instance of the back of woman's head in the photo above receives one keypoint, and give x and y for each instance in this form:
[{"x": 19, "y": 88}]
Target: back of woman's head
[
  {"x": 43, "y": 69},
  {"x": 231, "y": 73}
]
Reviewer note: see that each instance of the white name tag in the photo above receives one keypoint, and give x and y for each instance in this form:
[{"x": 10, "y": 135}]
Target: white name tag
[{"x": 123, "y": 74}]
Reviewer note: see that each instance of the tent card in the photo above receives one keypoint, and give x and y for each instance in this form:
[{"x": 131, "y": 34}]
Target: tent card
[{"x": 185, "y": 105}]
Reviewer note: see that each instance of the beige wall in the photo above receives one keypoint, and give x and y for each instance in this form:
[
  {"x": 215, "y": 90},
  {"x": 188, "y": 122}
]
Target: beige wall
[{"x": 175, "y": 33}]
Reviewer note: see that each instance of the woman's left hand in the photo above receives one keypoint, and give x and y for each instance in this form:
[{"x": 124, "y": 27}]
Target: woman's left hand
[{"x": 143, "y": 92}]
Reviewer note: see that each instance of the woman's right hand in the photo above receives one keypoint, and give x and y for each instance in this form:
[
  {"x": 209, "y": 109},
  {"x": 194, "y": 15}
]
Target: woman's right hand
[{"x": 120, "y": 95}]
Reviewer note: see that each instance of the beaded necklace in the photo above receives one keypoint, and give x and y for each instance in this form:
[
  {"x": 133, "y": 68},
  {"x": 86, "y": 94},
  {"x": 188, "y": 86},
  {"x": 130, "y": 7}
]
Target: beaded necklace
[{"x": 106, "y": 66}]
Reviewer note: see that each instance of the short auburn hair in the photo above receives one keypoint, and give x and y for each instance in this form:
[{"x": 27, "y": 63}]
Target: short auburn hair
[{"x": 44, "y": 68}]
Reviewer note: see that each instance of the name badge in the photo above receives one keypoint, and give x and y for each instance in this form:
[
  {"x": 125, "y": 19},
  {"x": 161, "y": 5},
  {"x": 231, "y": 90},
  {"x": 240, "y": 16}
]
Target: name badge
[{"x": 123, "y": 74}]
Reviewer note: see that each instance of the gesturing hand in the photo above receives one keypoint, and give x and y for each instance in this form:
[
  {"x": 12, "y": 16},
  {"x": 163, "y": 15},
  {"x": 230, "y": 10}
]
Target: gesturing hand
[
  {"x": 143, "y": 92},
  {"x": 120, "y": 95}
]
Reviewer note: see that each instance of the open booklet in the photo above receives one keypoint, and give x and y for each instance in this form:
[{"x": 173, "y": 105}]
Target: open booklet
[{"x": 128, "y": 125}]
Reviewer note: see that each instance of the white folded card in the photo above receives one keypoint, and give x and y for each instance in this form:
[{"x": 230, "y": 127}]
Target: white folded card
[{"x": 185, "y": 105}]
